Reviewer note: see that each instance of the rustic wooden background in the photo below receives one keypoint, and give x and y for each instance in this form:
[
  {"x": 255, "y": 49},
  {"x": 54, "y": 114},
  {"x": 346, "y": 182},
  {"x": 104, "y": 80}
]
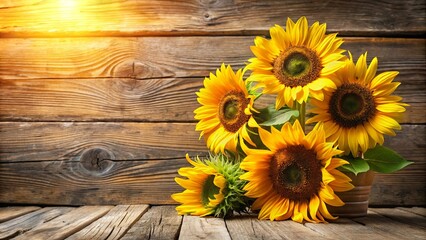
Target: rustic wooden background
[{"x": 96, "y": 103}]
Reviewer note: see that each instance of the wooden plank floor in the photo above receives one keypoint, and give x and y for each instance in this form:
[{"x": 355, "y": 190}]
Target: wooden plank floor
[{"x": 161, "y": 222}]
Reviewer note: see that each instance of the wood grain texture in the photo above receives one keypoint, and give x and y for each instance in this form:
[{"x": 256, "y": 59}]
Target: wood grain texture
[
  {"x": 66, "y": 224},
  {"x": 22, "y": 224},
  {"x": 166, "y": 17},
  {"x": 34, "y": 141},
  {"x": 8, "y": 213},
  {"x": 402, "y": 216},
  {"x": 107, "y": 182},
  {"x": 99, "y": 99},
  {"x": 117, "y": 99},
  {"x": 115, "y": 163},
  {"x": 344, "y": 228},
  {"x": 192, "y": 56},
  {"x": 49, "y": 141},
  {"x": 248, "y": 227},
  {"x": 416, "y": 210},
  {"x": 196, "y": 228},
  {"x": 382, "y": 223},
  {"x": 160, "y": 222},
  {"x": 112, "y": 225}
]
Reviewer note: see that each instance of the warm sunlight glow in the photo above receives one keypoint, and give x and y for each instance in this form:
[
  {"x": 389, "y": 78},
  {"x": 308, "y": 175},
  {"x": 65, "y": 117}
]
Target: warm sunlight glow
[
  {"x": 64, "y": 17},
  {"x": 67, "y": 4},
  {"x": 68, "y": 10}
]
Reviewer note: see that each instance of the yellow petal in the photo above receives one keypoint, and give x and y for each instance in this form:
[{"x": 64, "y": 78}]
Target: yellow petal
[
  {"x": 383, "y": 79},
  {"x": 385, "y": 124},
  {"x": 313, "y": 207},
  {"x": 267, "y": 139},
  {"x": 332, "y": 67},
  {"x": 326, "y": 176},
  {"x": 371, "y": 71},
  {"x": 297, "y": 215},
  {"x": 265, "y": 211},
  {"x": 390, "y": 108},
  {"x": 304, "y": 210},
  {"x": 281, "y": 209},
  {"x": 324, "y": 211},
  {"x": 280, "y": 101},
  {"x": 279, "y": 36},
  {"x": 259, "y": 202},
  {"x": 361, "y": 67}
]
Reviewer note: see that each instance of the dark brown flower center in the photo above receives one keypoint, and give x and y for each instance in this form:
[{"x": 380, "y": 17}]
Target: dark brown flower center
[
  {"x": 296, "y": 173},
  {"x": 231, "y": 111},
  {"x": 297, "y": 66},
  {"x": 351, "y": 105}
]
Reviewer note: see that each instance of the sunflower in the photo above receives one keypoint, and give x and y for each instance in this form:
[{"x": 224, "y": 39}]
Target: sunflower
[
  {"x": 296, "y": 177},
  {"x": 212, "y": 187},
  {"x": 226, "y": 110},
  {"x": 361, "y": 109},
  {"x": 295, "y": 63}
]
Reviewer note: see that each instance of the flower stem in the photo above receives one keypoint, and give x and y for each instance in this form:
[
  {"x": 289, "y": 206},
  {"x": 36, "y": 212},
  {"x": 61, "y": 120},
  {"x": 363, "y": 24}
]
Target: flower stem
[
  {"x": 301, "y": 107},
  {"x": 302, "y": 115}
]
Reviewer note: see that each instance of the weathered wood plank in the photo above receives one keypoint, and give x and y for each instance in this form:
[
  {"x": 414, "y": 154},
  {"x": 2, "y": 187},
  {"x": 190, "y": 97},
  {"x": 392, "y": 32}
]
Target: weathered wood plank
[
  {"x": 157, "y": 57},
  {"x": 405, "y": 187},
  {"x": 67, "y": 224},
  {"x": 113, "y": 225},
  {"x": 194, "y": 228},
  {"x": 114, "y": 163},
  {"x": 22, "y": 224},
  {"x": 416, "y": 210},
  {"x": 348, "y": 229},
  {"x": 133, "y": 182},
  {"x": 144, "y": 17},
  {"x": 402, "y": 216},
  {"x": 117, "y": 99},
  {"x": 43, "y": 141},
  {"x": 107, "y": 182},
  {"x": 248, "y": 227},
  {"x": 7, "y": 213},
  {"x": 99, "y": 100},
  {"x": 160, "y": 222},
  {"x": 398, "y": 229},
  {"x": 107, "y": 140}
]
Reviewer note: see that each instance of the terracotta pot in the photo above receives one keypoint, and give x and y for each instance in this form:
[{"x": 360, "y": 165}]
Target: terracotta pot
[{"x": 356, "y": 200}]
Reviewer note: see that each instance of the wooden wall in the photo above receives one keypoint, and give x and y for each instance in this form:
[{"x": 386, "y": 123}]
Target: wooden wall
[{"x": 96, "y": 102}]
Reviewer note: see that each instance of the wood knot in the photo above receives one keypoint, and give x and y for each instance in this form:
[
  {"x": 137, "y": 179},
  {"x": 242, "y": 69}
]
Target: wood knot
[{"x": 97, "y": 160}]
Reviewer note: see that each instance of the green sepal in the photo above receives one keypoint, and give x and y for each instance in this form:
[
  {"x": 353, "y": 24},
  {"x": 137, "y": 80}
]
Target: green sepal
[
  {"x": 384, "y": 160},
  {"x": 355, "y": 166},
  {"x": 234, "y": 198},
  {"x": 209, "y": 190}
]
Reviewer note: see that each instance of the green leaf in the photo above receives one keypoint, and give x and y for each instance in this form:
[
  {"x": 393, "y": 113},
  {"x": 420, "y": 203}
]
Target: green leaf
[
  {"x": 356, "y": 165},
  {"x": 264, "y": 114},
  {"x": 280, "y": 117},
  {"x": 384, "y": 160}
]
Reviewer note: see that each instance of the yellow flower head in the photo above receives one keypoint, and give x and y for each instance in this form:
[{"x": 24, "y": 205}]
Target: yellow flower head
[
  {"x": 225, "y": 111},
  {"x": 296, "y": 177},
  {"x": 212, "y": 187},
  {"x": 361, "y": 108},
  {"x": 295, "y": 63},
  {"x": 204, "y": 189}
]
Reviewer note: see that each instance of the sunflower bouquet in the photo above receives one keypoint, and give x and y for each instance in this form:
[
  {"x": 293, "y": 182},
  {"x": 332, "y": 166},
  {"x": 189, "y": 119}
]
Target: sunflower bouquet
[{"x": 287, "y": 160}]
